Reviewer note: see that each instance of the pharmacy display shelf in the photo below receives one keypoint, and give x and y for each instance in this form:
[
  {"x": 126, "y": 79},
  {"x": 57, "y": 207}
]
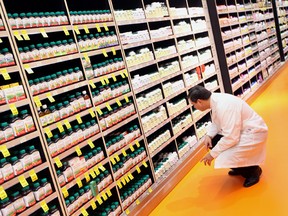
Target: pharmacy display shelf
[
  {"x": 197, "y": 65},
  {"x": 62, "y": 90},
  {"x": 163, "y": 58},
  {"x": 3, "y": 33},
  {"x": 100, "y": 51},
  {"x": 142, "y": 65},
  {"x": 37, "y": 206},
  {"x": 72, "y": 150},
  {"x": 160, "y": 125},
  {"x": 19, "y": 140},
  {"x": 155, "y": 40},
  {"x": 200, "y": 115},
  {"x": 82, "y": 176},
  {"x": 93, "y": 25},
  {"x": 43, "y": 29},
  {"x": 26, "y": 175},
  {"x": 136, "y": 44},
  {"x": 113, "y": 100},
  {"x": 132, "y": 143},
  {"x": 69, "y": 119},
  {"x": 20, "y": 103},
  {"x": 10, "y": 69},
  {"x": 160, "y": 148},
  {"x": 88, "y": 204},
  {"x": 194, "y": 49},
  {"x": 109, "y": 75},
  {"x": 179, "y": 112}
]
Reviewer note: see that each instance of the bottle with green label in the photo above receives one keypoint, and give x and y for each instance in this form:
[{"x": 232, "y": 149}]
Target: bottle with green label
[
  {"x": 18, "y": 202},
  {"x": 7, "y": 207}
]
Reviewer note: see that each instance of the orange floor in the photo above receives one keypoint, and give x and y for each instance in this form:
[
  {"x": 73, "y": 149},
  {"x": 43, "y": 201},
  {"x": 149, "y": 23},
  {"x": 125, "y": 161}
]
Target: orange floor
[{"x": 208, "y": 192}]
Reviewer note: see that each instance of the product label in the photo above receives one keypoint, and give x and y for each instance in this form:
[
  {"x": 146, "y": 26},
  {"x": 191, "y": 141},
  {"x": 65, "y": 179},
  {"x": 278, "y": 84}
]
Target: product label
[
  {"x": 8, "y": 210},
  {"x": 61, "y": 180},
  {"x": 29, "y": 199},
  {"x": 36, "y": 158},
  {"x": 29, "y": 124},
  {"x": 27, "y": 162},
  {"x": 19, "y": 205},
  {"x": 39, "y": 194},
  {"x": 68, "y": 174},
  {"x": 18, "y": 168},
  {"x": 48, "y": 189},
  {"x": 53, "y": 149},
  {"x": 7, "y": 172}
]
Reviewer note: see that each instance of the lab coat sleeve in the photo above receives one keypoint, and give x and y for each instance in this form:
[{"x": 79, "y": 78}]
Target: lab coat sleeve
[
  {"x": 230, "y": 125},
  {"x": 212, "y": 130}
]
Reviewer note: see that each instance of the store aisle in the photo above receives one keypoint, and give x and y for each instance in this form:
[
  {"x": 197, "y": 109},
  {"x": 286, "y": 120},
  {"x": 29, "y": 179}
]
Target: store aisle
[{"x": 209, "y": 192}]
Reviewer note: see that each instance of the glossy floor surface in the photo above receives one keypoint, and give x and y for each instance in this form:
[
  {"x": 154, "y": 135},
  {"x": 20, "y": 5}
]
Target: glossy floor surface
[{"x": 206, "y": 191}]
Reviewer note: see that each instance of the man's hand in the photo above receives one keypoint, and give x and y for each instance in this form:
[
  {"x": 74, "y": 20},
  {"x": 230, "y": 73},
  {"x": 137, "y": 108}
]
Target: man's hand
[
  {"x": 207, "y": 142},
  {"x": 207, "y": 159}
]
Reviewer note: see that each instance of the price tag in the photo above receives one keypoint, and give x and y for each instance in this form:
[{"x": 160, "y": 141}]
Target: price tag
[
  {"x": 126, "y": 98},
  {"x": 101, "y": 167},
  {"x": 112, "y": 160},
  {"x": 58, "y": 162},
  {"x": 125, "y": 72},
  {"x": 92, "y": 84},
  {"x": 113, "y": 51},
  {"x": 119, "y": 184},
  {"x": 50, "y": 97},
  {"x": 28, "y": 69},
  {"x": 108, "y": 106},
  {"x": 37, "y": 101},
  {"x": 84, "y": 212},
  {"x": 78, "y": 150},
  {"x": 98, "y": 28},
  {"x": 44, "y": 206},
  {"x": 96, "y": 170},
  {"x": 91, "y": 144},
  {"x": 79, "y": 182},
  {"x": 5, "y": 74},
  {"x": 67, "y": 124},
  {"x": 86, "y": 29},
  {"x": 131, "y": 148},
  {"x": 65, "y": 31},
  {"x": 93, "y": 204},
  {"x": 117, "y": 158},
  {"x": 87, "y": 177},
  {"x": 114, "y": 77},
  {"x": 13, "y": 109},
  {"x": 145, "y": 164},
  {"x": 137, "y": 202},
  {"x": 23, "y": 181},
  {"x": 130, "y": 176},
  {"x": 17, "y": 35},
  {"x": 150, "y": 190},
  {"x": 102, "y": 81},
  {"x": 1, "y": 40},
  {"x": 3, "y": 193},
  {"x": 127, "y": 179},
  {"x": 43, "y": 32},
  {"x": 76, "y": 30},
  {"x": 124, "y": 152},
  {"x": 25, "y": 35},
  {"x": 105, "y": 27},
  {"x": 92, "y": 174},
  {"x": 33, "y": 175},
  {"x": 99, "y": 111},
  {"x": 118, "y": 102},
  {"x": 122, "y": 75},
  {"x": 86, "y": 57},
  {"x": 138, "y": 169},
  {"x": 123, "y": 181},
  {"x": 108, "y": 192},
  {"x": 137, "y": 143},
  {"x": 99, "y": 200},
  {"x": 104, "y": 196},
  {"x": 65, "y": 192},
  {"x": 127, "y": 211},
  {"x": 104, "y": 53},
  {"x": 60, "y": 127},
  {"x": 92, "y": 113},
  {"x": 48, "y": 132},
  {"x": 79, "y": 120},
  {"x": 106, "y": 79}
]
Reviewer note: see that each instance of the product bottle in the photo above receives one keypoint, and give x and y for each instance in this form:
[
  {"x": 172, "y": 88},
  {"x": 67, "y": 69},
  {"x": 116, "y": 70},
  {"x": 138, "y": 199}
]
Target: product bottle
[
  {"x": 54, "y": 211},
  {"x": 28, "y": 121},
  {"x": 17, "y": 125},
  {"x": 42, "y": 117},
  {"x": 7, "y": 207},
  {"x": 35, "y": 155},
  {"x": 87, "y": 99},
  {"x": 25, "y": 159},
  {"x": 28, "y": 196},
  {"x": 17, "y": 165},
  {"x": 7, "y": 132},
  {"x": 6, "y": 169},
  {"x": 8, "y": 57},
  {"x": 18, "y": 202},
  {"x": 47, "y": 187},
  {"x": 39, "y": 192},
  {"x": 61, "y": 178},
  {"x": 67, "y": 172},
  {"x": 47, "y": 114}
]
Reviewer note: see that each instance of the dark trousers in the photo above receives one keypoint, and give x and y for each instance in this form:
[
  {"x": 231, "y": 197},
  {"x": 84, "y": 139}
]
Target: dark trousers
[{"x": 246, "y": 172}]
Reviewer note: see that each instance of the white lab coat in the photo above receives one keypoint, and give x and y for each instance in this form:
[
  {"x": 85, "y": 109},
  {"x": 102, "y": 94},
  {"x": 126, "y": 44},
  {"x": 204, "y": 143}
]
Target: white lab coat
[{"x": 244, "y": 132}]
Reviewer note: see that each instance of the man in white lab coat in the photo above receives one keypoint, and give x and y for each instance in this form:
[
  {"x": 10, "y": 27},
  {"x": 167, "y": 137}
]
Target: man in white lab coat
[{"x": 243, "y": 134}]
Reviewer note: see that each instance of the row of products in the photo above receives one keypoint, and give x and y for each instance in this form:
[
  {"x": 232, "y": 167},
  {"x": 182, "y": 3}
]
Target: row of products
[
  {"x": 165, "y": 162},
  {"x": 133, "y": 190},
  {"x": 71, "y": 105},
  {"x": 76, "y": 166},
  {"x": 55, "y": 80},
  {"x": 140, "y": 56},
  {"x": 28, "y": 196},
  {"x": 187, "y": 143},
  {"x": 15, "y": 126},
  {"x": 181, "y": 122},
  {"x": 161, "y": 32},
  {"x": 156, "y": 10},
  {"x": 159, "y": 140},
  {"x": 173, "y": 87},
  {"x": 110, "y": 91},
  {"x": 105, "y": 67},
  {"x": 19, "y": 162},
  {"x": 162, "y": 52},
  {"x": 153, "y": 119},
  {"x": 107, "y": 209},
  {"x": 47, "y": 50},
  {"x": 174, "y": 107},
  {"x": 116, "y": 141},
  {"x": 6, "y": 58},
  {"x": 11, "y": 93},
  {"x": 97, "y": 41},
  {"x": 134, "y": 37},
  {"x": 125, "y": 163},
  {"x": 37, "y": 19},
  {"x": 90, "y": 16},
  {"x": 71, "y": 137},
  {"x": 146, "y": 100}
]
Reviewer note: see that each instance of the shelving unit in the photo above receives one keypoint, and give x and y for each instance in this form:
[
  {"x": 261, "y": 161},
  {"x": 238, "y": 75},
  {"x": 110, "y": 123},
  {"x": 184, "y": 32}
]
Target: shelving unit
[{"x": 247, "y": 37}]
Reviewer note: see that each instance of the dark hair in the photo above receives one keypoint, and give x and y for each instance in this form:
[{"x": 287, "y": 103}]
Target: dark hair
[{"x": 198, "y": 92}]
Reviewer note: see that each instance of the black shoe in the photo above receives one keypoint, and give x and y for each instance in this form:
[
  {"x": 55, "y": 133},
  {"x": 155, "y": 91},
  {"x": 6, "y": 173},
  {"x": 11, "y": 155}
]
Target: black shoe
[
  {"x": 234, "y": 173},
  {"x": 252, "y": 180}
]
